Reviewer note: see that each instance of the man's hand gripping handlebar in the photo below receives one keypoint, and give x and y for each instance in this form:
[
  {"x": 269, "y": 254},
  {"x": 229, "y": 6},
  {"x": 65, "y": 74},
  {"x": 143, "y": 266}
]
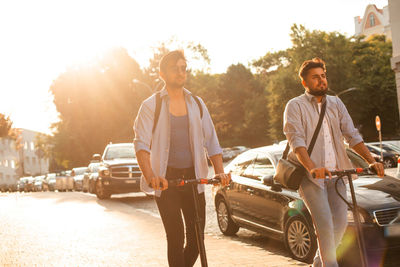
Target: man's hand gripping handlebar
[
  {"x": 372, "y": 169},
  {"x": 162, "y": 183}
]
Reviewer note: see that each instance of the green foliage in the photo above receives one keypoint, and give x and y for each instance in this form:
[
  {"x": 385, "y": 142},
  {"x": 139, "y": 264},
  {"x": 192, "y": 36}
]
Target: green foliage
[
  {"x": 350, "y": 62},
  {"x": 97, "y": 105},
  {"x": 377, "y": 94},
  {"x": 5, "y": 125}
]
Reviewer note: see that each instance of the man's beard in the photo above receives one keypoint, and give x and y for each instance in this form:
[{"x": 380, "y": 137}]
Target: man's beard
[{"x": 318, "y": 92}]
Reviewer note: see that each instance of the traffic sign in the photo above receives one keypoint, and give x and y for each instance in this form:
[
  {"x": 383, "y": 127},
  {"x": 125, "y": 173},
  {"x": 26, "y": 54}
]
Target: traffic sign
[{"x": 378, "y": 123}]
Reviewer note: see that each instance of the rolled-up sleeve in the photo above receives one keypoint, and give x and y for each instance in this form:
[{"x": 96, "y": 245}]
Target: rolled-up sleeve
[
  {"x": 143, "y": 127},
  {"x": 292, "y": 126},
  {"x": 350, "y": 133},
  {"x": 210, "y": 135}
]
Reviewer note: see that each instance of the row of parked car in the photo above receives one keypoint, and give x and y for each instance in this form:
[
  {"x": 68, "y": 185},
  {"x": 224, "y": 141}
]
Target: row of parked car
[{"x": 72, "y": 180}]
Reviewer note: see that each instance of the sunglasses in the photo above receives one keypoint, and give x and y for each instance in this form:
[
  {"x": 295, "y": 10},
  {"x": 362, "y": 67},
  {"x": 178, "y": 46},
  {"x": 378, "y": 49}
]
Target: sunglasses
[{"x": 177, "y": 69}]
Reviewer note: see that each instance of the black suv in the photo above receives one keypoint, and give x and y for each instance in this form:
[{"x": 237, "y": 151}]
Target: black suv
[{"x": 118, "y": 172}]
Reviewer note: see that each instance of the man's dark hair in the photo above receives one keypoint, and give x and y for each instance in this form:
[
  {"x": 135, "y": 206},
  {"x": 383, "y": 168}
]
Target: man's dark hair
[
  {"x": 311, "y": 64},
  {"x": 171, "y": 58}
]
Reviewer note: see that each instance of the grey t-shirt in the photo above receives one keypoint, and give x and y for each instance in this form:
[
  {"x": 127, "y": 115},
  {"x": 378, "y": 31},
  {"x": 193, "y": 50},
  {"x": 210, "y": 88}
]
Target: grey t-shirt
[{"x": 180, "y": 155}]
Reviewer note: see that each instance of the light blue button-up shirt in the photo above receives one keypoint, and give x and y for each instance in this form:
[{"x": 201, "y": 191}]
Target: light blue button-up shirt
[
  {"x": 202, "y": 135},
  {"x": 300, "y": 120}
]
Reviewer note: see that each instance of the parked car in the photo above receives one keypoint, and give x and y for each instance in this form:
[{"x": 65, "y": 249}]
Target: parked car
[
  {"x": 119, "y": 171},
  {"x": 52, "y": 181},
  {"x": 227, "y": 154},
  {"x": 3, "y": 188},
  {"x": 387, "y": 147},
  {"x": 77, "y": 174},
  {"x": 70, "y": 180},
  {"x": 389, "y": 159},
  {"x": 38, "y": 184},
  {"x": 21, "y": 184},
  {"x": 238, "y": 150},
  {"x": 28, "y": 186},
  {"x": 90, "y": 177},
  {"x": 254, "y": 201}
]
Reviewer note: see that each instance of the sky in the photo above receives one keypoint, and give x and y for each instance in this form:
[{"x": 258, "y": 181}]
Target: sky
[{"x": 40, "y": 39}]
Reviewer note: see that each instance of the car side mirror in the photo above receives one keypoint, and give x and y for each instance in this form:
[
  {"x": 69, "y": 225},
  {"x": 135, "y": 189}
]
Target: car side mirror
[
  {"x": 269, "y": 181},
  {"x": 96, "y": 157}
]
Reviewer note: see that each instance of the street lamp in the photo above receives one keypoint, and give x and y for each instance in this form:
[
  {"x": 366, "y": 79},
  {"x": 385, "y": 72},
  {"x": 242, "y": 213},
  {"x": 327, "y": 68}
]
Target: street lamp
[
  {"x": 136, "y": 81},
  {"x": 344, "y": 91},
  {"x": 160, "y": 82}
]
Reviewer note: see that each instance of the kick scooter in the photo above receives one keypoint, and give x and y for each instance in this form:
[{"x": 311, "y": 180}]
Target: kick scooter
[
  {"x": 354, "y": 206},
  {"x": 193, "y": 184}
]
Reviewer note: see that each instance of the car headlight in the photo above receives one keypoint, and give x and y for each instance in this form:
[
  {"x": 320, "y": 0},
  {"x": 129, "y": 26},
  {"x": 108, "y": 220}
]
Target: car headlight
[
  {"x": 105, "y": 173},
  {"x": 350, "y": 217}
]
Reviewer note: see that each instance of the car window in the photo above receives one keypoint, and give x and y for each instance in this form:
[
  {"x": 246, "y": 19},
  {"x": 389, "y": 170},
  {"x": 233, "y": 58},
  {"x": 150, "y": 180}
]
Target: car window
[
  {"x": 242, "y": 162},
  {"x": 260, "y": 167},
  {"x": 118, "y": 152},
  {"x": 356, "y": 160}
]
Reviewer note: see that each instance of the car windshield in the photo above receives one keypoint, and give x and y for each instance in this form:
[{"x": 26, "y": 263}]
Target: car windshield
[
  {"x": 119, "y": 152},
  {"x": 94, "y": 168}
]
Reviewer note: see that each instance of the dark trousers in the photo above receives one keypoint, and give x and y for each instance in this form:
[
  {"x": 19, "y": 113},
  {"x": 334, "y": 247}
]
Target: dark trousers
[{"x": 171, "y": 204}]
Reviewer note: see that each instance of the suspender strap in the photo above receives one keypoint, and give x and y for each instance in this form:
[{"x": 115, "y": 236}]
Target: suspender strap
[
  {"x": 199, "y": 104},
  {"x": 315, "y": 135},
  {"x": 157, "y": 110}
]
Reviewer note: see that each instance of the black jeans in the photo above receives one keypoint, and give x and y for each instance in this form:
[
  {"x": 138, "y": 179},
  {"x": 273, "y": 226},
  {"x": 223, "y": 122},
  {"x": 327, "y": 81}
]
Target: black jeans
[{"x": 171, "y": 204}]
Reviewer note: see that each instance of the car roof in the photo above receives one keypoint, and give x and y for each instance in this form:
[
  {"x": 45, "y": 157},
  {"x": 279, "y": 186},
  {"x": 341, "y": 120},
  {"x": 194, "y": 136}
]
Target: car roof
[
  {"x": 120, "y": 144},
  {"x": 273, "y": 149}
]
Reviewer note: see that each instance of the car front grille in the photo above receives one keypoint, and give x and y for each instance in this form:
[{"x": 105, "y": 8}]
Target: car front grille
[
  {"x": 387, "y": 216},
  {"x": 125, "y": 172}
]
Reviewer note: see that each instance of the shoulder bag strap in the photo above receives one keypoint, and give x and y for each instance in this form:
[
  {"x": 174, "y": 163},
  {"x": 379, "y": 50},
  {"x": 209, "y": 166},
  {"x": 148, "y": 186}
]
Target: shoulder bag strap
[{"x": 315, "y": 135}]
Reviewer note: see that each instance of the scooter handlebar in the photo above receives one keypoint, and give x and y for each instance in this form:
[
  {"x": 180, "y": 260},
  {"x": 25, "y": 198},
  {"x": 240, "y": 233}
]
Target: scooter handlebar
[
  {"x": 182, "y": 182},
  {"x": 368, "y": 170}
]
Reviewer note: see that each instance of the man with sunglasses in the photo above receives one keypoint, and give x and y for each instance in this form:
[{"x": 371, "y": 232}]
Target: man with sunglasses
[
  {"x": 171, "y": 143},
  {"x": 301, "y": 116}
]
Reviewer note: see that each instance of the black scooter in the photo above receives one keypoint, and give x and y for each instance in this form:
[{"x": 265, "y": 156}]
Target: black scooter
[
  {"x": 354, "y": 207},
  {"x": 193, "y": 183}
]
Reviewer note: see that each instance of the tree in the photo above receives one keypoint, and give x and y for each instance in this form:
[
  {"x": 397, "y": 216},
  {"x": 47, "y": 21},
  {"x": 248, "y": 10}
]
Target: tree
[
  {"x": 350, "y": 63},
  {"x": 97, "y": 105},
  {"x": 5, "y": 125},
  {"x": 376, "y": 94}
]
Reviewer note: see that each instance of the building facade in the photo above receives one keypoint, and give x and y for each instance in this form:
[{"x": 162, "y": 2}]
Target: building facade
[
  {"x": 14, "y": 164},
  {"x": 374, "y": 21}
]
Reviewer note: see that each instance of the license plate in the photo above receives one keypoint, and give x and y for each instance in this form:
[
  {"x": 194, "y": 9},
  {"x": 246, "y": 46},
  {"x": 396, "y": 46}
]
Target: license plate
[
  {"x": 392, "y": 230},
  {"x": 130, "y": 181}
]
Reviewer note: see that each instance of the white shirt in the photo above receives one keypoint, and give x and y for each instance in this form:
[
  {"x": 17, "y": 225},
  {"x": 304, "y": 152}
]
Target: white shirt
[{"x": 330, "y": 158}]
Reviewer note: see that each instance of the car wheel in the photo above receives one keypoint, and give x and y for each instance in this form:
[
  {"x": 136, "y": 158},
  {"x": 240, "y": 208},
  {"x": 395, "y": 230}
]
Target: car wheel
[
  {"x": 101, "y": 192},
  {"x": 225, "y": 222},
  {"x": 388, "y": 163},
  {"x": 300, "y": 239}
]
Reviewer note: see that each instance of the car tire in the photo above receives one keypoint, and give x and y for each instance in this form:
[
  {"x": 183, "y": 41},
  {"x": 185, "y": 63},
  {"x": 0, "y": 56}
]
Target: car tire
[
  {"x": 225, "y": 223},
  {"x": 388, "y": 163},
  {"x": 300, "y": 239},
  {"x": 101, "y": 192}
]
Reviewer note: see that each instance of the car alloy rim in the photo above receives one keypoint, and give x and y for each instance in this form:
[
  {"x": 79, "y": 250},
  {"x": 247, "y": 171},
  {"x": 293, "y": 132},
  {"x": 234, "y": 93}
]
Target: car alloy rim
[
  {"x": 387, "y": 163},
  {"x": 222, "y": 215},
  {"x": 299, "y": 239}
]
